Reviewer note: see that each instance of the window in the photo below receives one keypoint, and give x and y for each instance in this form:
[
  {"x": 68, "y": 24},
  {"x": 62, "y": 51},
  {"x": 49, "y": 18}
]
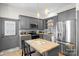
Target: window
[{"x": 10, "y": 27}]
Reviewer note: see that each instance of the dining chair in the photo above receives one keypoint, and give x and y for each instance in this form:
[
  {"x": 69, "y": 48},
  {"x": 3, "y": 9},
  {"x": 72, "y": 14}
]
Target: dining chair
[{"x": 26, "y": 49}]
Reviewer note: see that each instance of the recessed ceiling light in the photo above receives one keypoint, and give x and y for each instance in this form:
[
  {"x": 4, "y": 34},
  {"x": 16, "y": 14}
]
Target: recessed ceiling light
[{"x": 46, "y": 11}]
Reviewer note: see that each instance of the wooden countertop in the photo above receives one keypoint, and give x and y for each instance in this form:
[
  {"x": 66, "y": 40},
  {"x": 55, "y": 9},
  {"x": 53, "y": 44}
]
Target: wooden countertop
[{"x": 42, "y": 45}]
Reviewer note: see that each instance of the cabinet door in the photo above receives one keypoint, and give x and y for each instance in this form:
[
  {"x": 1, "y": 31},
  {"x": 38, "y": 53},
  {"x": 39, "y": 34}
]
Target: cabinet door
[
  {"x": 24, "y": 23},
  {"x": 67, "y": 15},
  {"x": 44, "y": 24},
  {"x": 40, "y": 24},
  {"x": 47, "y": 37}
]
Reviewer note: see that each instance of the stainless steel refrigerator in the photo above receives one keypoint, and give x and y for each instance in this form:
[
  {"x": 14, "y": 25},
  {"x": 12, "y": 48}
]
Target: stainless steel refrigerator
[{"x": 66, "y": 34}]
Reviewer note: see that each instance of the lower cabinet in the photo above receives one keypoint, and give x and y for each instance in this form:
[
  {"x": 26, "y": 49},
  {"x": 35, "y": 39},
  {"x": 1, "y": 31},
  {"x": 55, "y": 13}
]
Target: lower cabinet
[
  {"x": 47, "y": 37},
  {"x": 54, "y": 52}
]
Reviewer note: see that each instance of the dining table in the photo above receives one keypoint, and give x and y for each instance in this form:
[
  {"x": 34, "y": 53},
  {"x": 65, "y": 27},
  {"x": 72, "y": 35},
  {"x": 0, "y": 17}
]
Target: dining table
[{"x": 41, "y": 45}]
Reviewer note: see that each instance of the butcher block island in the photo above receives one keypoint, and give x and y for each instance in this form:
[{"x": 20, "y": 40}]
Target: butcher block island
[{"x": 41, "y": 45}]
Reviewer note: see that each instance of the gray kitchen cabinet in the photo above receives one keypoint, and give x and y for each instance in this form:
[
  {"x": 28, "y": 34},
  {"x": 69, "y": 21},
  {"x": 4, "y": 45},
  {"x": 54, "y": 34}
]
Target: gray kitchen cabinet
[
  {"x": 47, "y": 37},
  {"x": 24, "y": 22},
  {"x": 40, "y": 24},
  {"x": 45, "y": 24},
  {"x": 67, "y": 15},
  {"x": 54, "y": 52}
]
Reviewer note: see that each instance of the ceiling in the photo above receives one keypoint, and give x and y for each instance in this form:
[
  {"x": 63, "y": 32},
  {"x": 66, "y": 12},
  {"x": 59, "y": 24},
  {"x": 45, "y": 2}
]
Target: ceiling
[{"x": 41, "y": 7}]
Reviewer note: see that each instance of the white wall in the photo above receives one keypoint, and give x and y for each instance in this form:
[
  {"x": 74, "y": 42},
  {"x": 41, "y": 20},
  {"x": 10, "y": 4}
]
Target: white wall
[{"x": 11, "y": 12}]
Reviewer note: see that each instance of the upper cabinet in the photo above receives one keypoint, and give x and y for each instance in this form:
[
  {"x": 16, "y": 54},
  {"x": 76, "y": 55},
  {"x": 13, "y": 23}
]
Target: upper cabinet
[
  {"x": 24, "y": 22},
  {"x": 40, "y": 24},
  {"x": 45, "y": 24},
  {"x": 67, "y": 15}
]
